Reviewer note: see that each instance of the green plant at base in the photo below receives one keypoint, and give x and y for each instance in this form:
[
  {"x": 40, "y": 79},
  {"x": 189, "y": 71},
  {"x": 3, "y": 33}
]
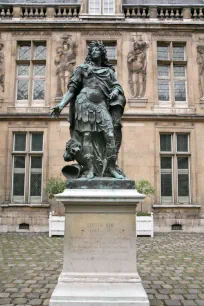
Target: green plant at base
[
  {"x": 143, "y": 214},
  {"x": 145, "y": 187},
  {"x": 54, "y": 186}
]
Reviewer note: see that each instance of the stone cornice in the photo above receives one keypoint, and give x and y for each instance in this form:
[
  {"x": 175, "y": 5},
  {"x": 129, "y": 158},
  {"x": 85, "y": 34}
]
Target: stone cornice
[{"x": 126, "y": 117}]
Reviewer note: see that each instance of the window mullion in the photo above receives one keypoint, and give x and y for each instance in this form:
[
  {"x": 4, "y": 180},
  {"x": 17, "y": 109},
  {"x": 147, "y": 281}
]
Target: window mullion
[{"x": 172, "y": 84}]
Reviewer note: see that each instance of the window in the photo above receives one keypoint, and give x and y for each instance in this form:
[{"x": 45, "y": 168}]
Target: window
[
  {"x": 31, "y": 71},
  {"x": 27, "y": 167},
  {"x": 99, "y": 7},
  {"x": 171, "y": 72},
  {"x": 175, "y": 168}
]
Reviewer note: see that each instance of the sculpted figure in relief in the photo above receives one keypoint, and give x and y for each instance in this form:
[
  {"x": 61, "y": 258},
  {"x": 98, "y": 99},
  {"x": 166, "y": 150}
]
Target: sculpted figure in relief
[
  {"x": 137, "y": 64},
  {"x": 1, "y": 66},
  {"x": 200, "y": 61},
  {"x": 65, "y": 61},
  {"x": 97, "y": 103}
]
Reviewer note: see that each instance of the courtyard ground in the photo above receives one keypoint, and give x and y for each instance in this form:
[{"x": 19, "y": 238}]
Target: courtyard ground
[{"x": 171, "y": 266}]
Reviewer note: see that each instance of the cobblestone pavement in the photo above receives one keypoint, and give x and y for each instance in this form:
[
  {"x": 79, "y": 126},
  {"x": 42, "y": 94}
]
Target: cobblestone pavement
[{"x": 170, "y": 265}]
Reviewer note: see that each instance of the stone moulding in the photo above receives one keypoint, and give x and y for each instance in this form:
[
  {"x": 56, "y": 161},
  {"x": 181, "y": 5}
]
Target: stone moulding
[
  {"x": 101, "y": 278},
  {"x": 134, "y": 103}
]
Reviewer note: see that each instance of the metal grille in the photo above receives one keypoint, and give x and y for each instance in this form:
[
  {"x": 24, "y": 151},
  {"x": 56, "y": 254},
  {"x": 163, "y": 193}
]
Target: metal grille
[
  {"x": 176, "y": 227},
  {"x": 24, "y": 226}
]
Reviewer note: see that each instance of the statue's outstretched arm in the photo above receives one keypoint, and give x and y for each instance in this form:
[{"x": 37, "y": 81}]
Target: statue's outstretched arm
[{"x": 56, "y": 110}]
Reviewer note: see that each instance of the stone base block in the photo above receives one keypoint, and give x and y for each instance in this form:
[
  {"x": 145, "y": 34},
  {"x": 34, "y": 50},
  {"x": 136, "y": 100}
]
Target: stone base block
[
  {"x": 109, "y": 291},
  {"x": 99, "y": 266}
]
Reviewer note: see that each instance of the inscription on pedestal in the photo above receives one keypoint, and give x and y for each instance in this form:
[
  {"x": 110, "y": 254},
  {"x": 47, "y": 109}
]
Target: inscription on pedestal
[{"x": 100, "y": 243}]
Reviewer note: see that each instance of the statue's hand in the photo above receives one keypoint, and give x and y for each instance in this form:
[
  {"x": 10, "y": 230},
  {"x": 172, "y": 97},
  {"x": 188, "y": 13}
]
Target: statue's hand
[
  {"x": 114, "y": 94},
  {"x": 56, "y": 111}
]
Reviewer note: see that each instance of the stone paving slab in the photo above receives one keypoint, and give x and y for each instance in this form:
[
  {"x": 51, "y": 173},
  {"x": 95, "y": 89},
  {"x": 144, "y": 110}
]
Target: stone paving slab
[{"x": 171, "y": 266}]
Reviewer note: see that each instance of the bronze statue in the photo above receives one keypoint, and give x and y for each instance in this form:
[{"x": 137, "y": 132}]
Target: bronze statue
[{"x": 96, "y": 105}]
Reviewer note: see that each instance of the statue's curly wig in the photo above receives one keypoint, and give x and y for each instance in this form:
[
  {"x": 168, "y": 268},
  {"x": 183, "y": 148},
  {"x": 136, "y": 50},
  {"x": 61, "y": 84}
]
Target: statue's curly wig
[{"x": 104, "y": 59}]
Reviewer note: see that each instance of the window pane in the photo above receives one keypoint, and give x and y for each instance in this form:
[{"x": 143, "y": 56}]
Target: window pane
[
  {"x": 94, "y": 7},
  {"x": 20, "y": 142},
  {"x": 39, "y": 90},
  {"x": 178, "y": 53},
  {"x": 111, "y": 52},
  {"x": 18, "y": 184},
  {"x": 163, "y": 52},
  {"x": 163, "y": 71},
  {"x": 24, "y": 51},
  {"x": 183, "y": 185},
  {"x": 166, "y": 163},
  {"x": 39, "y": 70},
  {"x": 19, "y": 162},
  {"x": 182, "y": 143},
  {"x": 37, "y": 142},
  {"x": 182, "y": 163},
  {"x": 36, "y": 162},
  {"x": 166, "y": 185},
  {"x": 35, "y": 184},
  {"x": 179, "y": 71},
  {"x": 165, "y": 142},
  {"x": 40, "y": 51},
  {"x": 180, "y": 90},
  {"x": 163, "y": 90},
  {"x": 22, "y": 90},
  {"x": 23, "y": 70},
  {"x": 108, "y": 7}
]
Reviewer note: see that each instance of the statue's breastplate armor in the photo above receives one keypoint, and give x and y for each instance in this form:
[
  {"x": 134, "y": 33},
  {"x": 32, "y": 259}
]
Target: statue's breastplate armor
[{"x": 92, "y": 89}]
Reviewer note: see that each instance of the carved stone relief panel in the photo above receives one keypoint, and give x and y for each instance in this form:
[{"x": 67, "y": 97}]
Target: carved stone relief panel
[
  {"x": 137, "y": 69},
  {"x": 65, "y": 61},
  {"x": 200, "y": 61},
  {"x": 2, "y": 67}
]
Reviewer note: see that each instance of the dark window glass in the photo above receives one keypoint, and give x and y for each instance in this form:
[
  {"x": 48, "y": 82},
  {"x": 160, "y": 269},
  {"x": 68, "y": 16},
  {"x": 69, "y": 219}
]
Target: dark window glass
[
  {"x": 182, "y": 143},
  {"x": 20, "y": 142},
  {"x": 35, "y": 184},
  {"x": 182, "y": 162},
  {"x": 19, "y": 162},
  {"x": 183, "y": 185},
  {"x": 166, "y": 185},
  {"x": 166, "y": 163},
  {"x": 36, "y": 162},
  {"x": 18, "y": 184},
  {"x": 37, "y": 142},
  {"x": 165, "y": 142}
]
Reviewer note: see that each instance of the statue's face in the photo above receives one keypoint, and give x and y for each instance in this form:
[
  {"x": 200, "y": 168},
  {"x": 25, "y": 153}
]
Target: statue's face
[{"x": 95, "y": 53}]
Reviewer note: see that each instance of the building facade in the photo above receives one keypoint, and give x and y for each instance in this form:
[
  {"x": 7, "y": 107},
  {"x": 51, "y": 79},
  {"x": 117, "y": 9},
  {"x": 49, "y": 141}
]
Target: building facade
[{"x": 157, "y": 50}]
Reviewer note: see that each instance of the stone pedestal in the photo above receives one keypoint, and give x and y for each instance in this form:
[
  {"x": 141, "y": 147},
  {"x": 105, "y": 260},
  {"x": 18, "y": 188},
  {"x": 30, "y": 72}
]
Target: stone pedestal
[{"x": 99, "y": 249}]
